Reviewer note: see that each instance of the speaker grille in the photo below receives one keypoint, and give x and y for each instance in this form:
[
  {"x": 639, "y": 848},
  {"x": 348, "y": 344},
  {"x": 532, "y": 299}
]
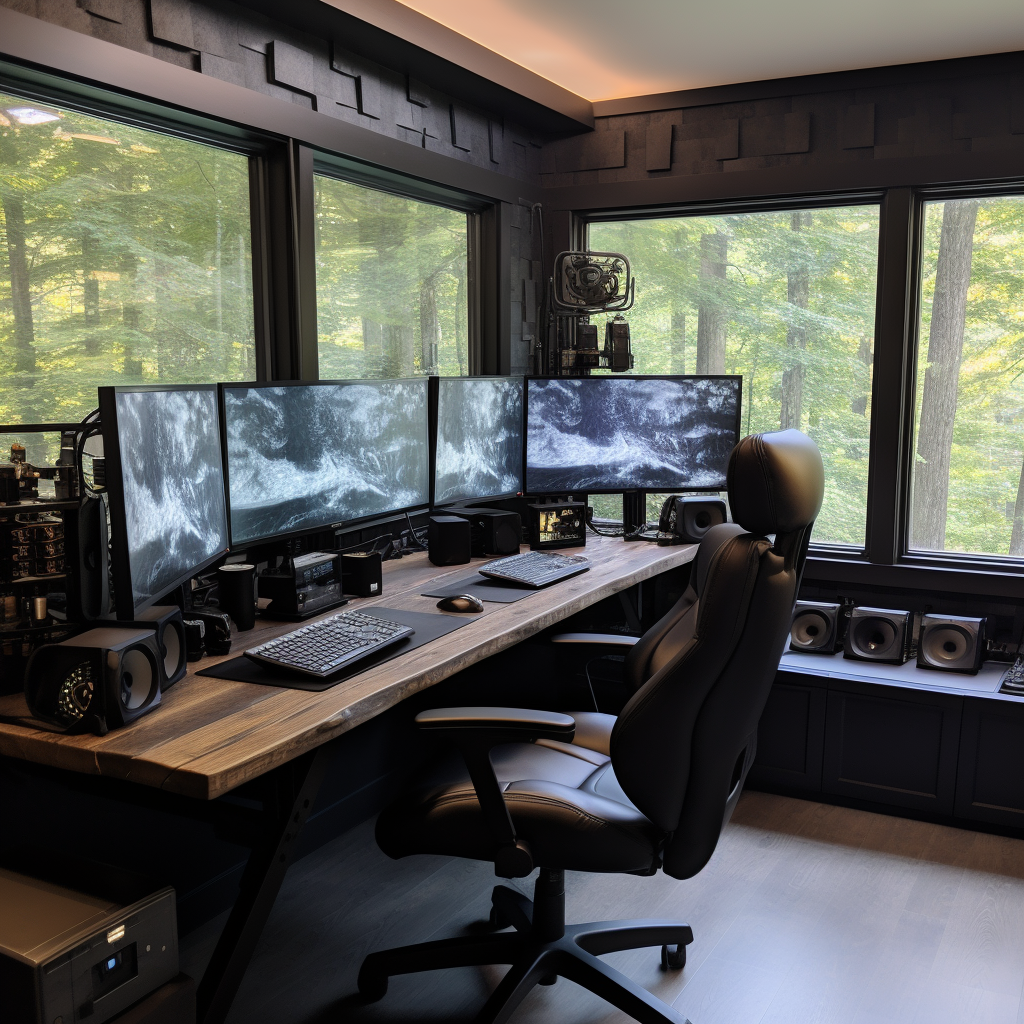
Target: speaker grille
[
  {"x": 811, "y": 631},
  {"x": 878, "y": 634}
]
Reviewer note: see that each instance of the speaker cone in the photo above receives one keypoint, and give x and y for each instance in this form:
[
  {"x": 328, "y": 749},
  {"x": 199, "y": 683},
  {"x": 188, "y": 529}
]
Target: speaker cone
[
  {"x": 948, "y": 644},
  {"x": 878, "y": 634},
  {"x": 173, "y": 649},
  {"x": 138, "y": 678},
  {"x": 875, "y": 636},
  {"x": 811, "y": 631}
]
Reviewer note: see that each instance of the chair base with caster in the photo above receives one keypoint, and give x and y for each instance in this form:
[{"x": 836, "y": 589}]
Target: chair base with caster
[{"x": 542, "y": 948}]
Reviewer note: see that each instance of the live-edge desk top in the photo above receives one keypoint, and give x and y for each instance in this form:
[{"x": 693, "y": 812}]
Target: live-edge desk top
[{"x": 210, "y": 735}]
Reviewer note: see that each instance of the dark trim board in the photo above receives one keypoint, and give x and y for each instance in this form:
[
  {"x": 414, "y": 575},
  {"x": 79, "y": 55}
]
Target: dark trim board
[{"x": 44, "y": 50}]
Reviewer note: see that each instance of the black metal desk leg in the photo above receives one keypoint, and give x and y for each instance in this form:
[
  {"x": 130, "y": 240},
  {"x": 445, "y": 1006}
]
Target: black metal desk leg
[{"x": 292, "y": 789}]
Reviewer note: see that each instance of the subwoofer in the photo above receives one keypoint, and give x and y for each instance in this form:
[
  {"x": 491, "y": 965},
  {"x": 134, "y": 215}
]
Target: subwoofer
[
  {"x": 166, "y": 620},
  {"x": 99, "y": 680},
  {"x": 951, "y": 642},
  {"x": 816, "y": 627},
  {"x": 878, "y": 634},
  {"x": 688, "y": 519}
]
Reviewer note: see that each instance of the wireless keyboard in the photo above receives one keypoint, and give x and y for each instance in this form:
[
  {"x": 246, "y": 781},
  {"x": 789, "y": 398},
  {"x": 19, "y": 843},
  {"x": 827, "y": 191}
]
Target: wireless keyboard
[
  {"x": 535, "y": 568},
  {"x": 322, "y": 648}
]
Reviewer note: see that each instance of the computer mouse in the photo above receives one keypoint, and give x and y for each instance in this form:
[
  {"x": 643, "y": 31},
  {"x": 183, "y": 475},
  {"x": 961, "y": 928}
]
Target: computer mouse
[{"x": 460, "y": 603}]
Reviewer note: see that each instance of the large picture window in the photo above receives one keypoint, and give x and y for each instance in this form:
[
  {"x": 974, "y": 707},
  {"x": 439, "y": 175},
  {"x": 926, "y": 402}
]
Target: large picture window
[
  {"x": 125, "y": 258},
  {"x": 968, "y": 470},
  {"x": 785, "y": 298},
  {"x": 391, "y": 284}
]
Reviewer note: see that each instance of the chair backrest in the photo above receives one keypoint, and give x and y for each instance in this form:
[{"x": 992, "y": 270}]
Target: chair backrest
[{"x": 684, "y": 742}]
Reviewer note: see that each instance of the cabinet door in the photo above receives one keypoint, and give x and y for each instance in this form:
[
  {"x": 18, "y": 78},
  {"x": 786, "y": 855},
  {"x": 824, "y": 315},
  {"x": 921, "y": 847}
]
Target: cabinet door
[
  {"x": 891, "y": 745},
  {"x": 990, "y": 782},
  {"x": 790, "y": 735}
]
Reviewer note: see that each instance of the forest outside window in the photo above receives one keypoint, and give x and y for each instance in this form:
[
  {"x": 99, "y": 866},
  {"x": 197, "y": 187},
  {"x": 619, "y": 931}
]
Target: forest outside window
[
  {"x": 786, "y": 298},
  {"x": 125, "y": 258},
  {"x": 391, "y": 284},
  {"x": 968, "y": 469}
]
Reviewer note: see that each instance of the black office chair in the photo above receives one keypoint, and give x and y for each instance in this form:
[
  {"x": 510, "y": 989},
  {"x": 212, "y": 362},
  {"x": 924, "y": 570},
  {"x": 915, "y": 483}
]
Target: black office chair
[{"x": 651, "y": 788}]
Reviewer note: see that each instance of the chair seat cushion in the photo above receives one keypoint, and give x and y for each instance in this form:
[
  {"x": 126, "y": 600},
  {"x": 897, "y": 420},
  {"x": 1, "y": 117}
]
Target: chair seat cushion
[{"x": 563, "y": 798}]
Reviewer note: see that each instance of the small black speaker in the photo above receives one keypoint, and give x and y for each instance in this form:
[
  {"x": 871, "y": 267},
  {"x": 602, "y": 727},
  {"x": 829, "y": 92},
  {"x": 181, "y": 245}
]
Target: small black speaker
[
  {"x": 493, "y": 530},
  {"x": 816, "y": 627},
  {"x": 170, "y": 639},
  {"x": 96, "y": 681},
  {"x": 878, "y": 634},
  {"x": 690, "y": 518},
  {"x": 93, "y": 570},
  {"x": 449, "y": 540},
  {"x": 361, "y": 574},
  {"x": 951, "y": 642}
]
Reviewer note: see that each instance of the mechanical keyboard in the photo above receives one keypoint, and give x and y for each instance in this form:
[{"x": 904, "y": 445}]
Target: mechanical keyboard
[
  {"x": 322, "y": 648},
  {"x": 535, "y": 568}
]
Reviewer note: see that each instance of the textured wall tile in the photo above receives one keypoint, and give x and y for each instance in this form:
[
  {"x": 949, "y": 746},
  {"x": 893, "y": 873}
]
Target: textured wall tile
[
  {"x": 214, "y": 31},
  {"x": 1017, "y": 104},
  {"x": 219, "y": 67},
  {"x": 658, "y": 147},
  {"x": 495, "y": 141},
  {"x": 417, "y": 93},
  {"x": 108, "y": 31},
  {"x": 172, "y": 22},
  {"x": 857, "y": 126},
  {"x": 797, "y": 132},
  {"x": 461, "y": 127},
  {"x": 111, "y": 10}
]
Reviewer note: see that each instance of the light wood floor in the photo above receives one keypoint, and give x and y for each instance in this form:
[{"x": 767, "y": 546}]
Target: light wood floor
[{"x": 806, "y": 914}]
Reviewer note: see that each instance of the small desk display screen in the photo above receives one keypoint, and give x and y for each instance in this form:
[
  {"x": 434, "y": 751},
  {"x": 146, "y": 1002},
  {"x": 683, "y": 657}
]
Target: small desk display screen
[
  {"x": 304, "y": 456},
  {"x": 479, "y": 438},
  {"x": 173, "y": 485},
  {"x": 594, "y": 434}
]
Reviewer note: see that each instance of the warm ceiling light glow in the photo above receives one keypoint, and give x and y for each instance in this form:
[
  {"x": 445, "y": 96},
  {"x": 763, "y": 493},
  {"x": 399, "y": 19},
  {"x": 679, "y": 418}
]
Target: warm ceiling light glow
[{"x": 32, "y": 115}]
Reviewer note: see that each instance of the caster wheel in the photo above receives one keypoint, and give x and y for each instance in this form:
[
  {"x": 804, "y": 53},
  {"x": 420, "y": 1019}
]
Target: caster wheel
[
  {"x": 673, "y": 958},
  {"x": 372, "y": 986}
]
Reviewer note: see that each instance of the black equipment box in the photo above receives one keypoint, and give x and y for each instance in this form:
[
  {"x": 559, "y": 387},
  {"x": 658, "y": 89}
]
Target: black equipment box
[
  {"x": 303, "y": 586},
  {"x": 493, "y": 531},
  {"x": 361, "y": 574},
  {"x": 72, "y": 956},
  {"x": 558, "y": 525}
]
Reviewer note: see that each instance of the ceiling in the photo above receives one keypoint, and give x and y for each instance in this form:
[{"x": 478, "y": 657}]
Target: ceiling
[{"x": 607, "y": 49}]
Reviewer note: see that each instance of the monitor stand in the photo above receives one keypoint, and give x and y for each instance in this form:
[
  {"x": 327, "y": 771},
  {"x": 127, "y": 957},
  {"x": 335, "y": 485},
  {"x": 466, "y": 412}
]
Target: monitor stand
[{"x": 634, "y": 513}]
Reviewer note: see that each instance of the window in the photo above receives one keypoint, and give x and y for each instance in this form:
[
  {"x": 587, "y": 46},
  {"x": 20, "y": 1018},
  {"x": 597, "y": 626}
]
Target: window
[
  {"x": 786, "y": 298},
  {"x": 391, "y": 284},
  {"x": 125, "y": 257},
  {"x": 968, "y": 470}
]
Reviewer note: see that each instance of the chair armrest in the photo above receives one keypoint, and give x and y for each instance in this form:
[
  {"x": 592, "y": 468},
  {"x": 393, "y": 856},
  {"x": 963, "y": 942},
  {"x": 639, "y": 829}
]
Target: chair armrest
[
  {"x": 493, "y": 725},
  {"x": 605, "y": 639},
  {"x": 475, "y": 731}
]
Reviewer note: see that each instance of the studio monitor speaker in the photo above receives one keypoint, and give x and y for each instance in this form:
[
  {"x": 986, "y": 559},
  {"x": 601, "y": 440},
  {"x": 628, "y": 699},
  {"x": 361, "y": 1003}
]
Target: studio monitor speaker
[
  {"x": 951, "y": 642},
  {"x": 878, "y": 634},
  {"x": 689, "y": 519},
  {"x": 96, "y": 681},
  {"x": 449, "y": 540},
  {"x": 816, "y": 627},
  {"x": 166, "y": 620}
]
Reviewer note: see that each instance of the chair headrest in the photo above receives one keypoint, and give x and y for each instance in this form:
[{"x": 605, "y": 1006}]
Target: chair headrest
[{"x": 776, "y": 482}]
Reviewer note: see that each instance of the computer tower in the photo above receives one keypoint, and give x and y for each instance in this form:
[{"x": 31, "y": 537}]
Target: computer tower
[
  {"x": 70, "y": 956},
  {"x": 493, "y": 531}
]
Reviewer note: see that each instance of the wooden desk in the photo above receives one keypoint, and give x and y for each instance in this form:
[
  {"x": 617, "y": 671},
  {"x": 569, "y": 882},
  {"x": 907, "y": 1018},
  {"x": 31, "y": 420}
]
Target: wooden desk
[{"x": 210, "y": 736}]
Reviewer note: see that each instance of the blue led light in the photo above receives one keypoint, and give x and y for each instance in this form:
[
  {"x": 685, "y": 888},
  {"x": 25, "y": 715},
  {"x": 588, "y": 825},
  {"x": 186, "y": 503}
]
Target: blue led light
[{"x": 111, "y": 963}]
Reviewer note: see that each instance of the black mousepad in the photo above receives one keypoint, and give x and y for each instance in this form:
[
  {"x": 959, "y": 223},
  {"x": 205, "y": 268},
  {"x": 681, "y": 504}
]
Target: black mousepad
[
  {"x": 482, "y": 588},
  {"x": 428, "y": 626}
]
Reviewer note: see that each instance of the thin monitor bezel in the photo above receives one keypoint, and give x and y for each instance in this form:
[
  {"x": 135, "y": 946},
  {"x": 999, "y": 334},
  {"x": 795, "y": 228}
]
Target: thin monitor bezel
[
  {"x": 622, "y": 377},
  {"x": 334, "y": 524},
  {"x": 435, "y": 419},
  {"x": 125, "y": 607}
]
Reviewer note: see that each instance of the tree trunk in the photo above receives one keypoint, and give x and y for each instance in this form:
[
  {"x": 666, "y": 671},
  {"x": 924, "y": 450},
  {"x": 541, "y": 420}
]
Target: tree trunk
[
  {"x": 859, "y": 406},
  {"x": 678, "y": 343},
  {"x": 373, "y": 348},
  {"x": 430, "y": 327},
  {"x": 711, "y": 315},
  {"x": 398, "y": 348},
  {"x": 1017, "y": 534},
  {"x": 798, "y": 293},
  {"x": 21, "y": 289},
  {"x": 945, "y": 350},
  {"x": 461, "y": 342}
]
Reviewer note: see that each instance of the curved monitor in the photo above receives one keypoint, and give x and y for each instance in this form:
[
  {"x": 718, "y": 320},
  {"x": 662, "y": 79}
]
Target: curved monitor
[
  {"x": 479, "y": 439},
  {"x": 165, "y": 481},
  {"x": 302, "y": 457},
  {"x": 608, "y": 434}
]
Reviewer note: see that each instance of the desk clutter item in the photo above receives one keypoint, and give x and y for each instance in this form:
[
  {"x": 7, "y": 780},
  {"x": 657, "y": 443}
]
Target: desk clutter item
[
  {"x": 449, "y": 540},
  {"x": 480, "y": 587},
  {"x": 70, "y": 956},
  {"x": 236, "y": 592},
  {"x": 362, "y": 574},
  {"x": 536, "y": 568},
  {"x": 99, "y": 680},
  {"x": 426, "y": 626},
  {"x": 492, "y": 531},
  {"x": 953, "y": 643},
  {"x": 817, "y": 627},
  {"x": 324, "y": 647},
  {"x": 302, "y": 586},
  {"x": 558, "y": 525}
]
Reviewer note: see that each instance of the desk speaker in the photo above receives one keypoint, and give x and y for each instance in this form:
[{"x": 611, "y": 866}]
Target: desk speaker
[
  {"x": 96, "y": 681},
  {"x": 690, "y": 518},
  {"x": 449, "y": 540},
  {"x": 166, "y": 620},
  {"x": 951, "y": 642},
  {"x": 816, "y": 627},
  {"x": 878, "y": 634}
]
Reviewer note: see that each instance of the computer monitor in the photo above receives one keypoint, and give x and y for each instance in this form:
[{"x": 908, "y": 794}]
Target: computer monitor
[
  {"x": 165, "y": 481},
  {"x": 630, "y": 433},
  {"x": 479, "y": 452},
  {"x": 302, "y": 457}
]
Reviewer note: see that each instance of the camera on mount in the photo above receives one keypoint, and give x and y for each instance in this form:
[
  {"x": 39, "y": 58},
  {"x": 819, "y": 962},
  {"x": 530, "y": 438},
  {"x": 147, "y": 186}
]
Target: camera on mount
[{"x": 585, "y": 284}]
